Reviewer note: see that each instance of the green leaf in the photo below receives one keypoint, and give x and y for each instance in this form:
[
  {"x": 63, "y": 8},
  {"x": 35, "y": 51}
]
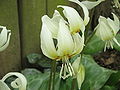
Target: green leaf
[
  {"x": 115, "y": 45},
  {"x": 106, "y": 87},
  {"x": 38, "y": 59},
  {"x": 39, "y": 81},
  {"x": 115, "y": 78},
  {"x": 95, "y": 45},
  {"x": 96, "y": 76}
]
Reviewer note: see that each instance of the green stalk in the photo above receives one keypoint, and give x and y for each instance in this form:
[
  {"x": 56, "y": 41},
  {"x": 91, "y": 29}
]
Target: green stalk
[
  {"x": 52, "y": 75},
  {"x": 73, "y": 84},
  {"x": 54, "y": 70}
]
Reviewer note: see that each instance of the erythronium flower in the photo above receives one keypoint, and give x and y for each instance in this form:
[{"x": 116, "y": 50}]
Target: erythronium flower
[
  {"x": 75, "y": 21},
  {"x": 107, "y": 30},
  {"x": 19, "y": 83},
  {"x": 66, "y": 44},
  {"x": 79, "y": 71},
  {"x": 4, "y": 38}
]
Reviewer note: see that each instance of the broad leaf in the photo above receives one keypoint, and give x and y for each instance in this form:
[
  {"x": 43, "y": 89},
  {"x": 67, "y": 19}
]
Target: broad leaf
[
  {"x": 94, "y": 45},
  {"x": 96, "y": 76}
]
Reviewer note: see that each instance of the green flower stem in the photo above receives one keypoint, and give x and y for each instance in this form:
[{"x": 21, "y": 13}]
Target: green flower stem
[
  {"x": 54, "y": 70},
  {"x": 52, "y": 75},
  {"x": 74, "y": 84}
]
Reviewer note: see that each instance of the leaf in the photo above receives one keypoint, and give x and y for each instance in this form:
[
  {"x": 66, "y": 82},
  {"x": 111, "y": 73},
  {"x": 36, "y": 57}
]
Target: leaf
[
  {"x": 39, "y": 81},
  {"x": 96, "y": 76},
  {"x": 106, "y": 87},
  {"x": 95, "y": 45},
  {"x": 115, "y": 45},
  {"x": 114, "y": 80},
  {"x": 38, "y": 59}
]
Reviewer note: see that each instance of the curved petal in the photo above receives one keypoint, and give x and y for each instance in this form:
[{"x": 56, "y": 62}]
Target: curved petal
[
  {"x": 78, "y": 43},
  {"x": 65, "y": 41},
  {"x": 74, "y": 19},
  {"x": 113, "y": 26},
  {"x": 103, "y": 30},
  {"x": 116, "y": 21},
  {"x": 3, "y": 86},
  {"x": 47, "y": 44},
  {"x": 3, "y": 36},
  {"x": 85, "y": 10},
  {"x": 6, "y": 44},
  {"x": 22, "y": 80},
  {"x": 52, "y": 25},
  {"x": 91, "y": 4}
]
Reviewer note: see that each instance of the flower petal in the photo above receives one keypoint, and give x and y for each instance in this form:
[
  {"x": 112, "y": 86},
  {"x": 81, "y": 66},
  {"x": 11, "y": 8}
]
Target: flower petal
[
  {"x": 6, "y": 43},
  {"x": 78, "y": 43},
  {"x": 65, "y": 41},
  {"x": 3, "y": 36},
  {"x": 103, "y": 30},
  {"x": 91, "y": 4},
  {"x": 23, "y": 82},
  {"x": 52, "y": 25},
  {"x": 112, "y": 26},
  {"x": 3, "y": 86},
  {"x": 116, "y": 21},
  {"x": 85, "y": 10},
  {"x": 47, "y": 44},
  {"x": 74, "y": 19}
]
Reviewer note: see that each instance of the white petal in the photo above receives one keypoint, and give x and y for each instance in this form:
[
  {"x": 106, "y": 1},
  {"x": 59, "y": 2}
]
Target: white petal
[
  {"x": 103, "y": 30},
  {"x": 3, "y": 86},
  {"x": 116, "y": 21},
  {"x": 115, "y": 40},
  {"x": 52, "y": 25},
  {"x": 76, "y": 64},
  {"x": 113, "y": 26},
  {"x": 23, "y": 82},
  {"x": 91, "y": 4},
  {"x": 74, "y": 19},
  {"x": 85, "y": 10},
  {"x": 78, "y": 43},
  {"x": 80, "y": 75},
  {"x": 47, "y": 44},
  {"x": 65, "y": 41},
  {"x": 6, "y": 44},
  {"x": 3, "y": 36}
]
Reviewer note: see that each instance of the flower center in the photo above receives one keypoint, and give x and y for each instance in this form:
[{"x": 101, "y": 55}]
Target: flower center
[{"x": 66, "y": 69}]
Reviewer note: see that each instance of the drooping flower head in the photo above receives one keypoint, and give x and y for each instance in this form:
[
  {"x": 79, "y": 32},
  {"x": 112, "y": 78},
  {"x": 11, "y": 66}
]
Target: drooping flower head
[
  {"x": 107, "y": 30},
  {"x": 57, "y": 43}
]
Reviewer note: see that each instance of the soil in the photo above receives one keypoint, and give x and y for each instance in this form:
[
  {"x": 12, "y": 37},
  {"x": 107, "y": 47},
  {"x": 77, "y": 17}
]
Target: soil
[{"x": 109, "y": 59}]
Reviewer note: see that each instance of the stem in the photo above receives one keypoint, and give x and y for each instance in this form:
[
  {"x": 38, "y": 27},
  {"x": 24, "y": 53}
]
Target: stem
[
  {"x": 52, "y": 75},
  {"x": 73, "y": 84},
  {"x": 54, "y": 70}
]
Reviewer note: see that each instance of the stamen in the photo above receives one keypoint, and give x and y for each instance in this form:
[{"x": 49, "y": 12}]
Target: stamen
[{"x": 66, "y": 70}]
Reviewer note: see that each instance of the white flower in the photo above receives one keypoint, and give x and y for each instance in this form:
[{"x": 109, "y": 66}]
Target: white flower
[
  {"x": 76, "y": 23},
  {"x": 4, "y": 38},
  {"x": 79, "y": 71},
  {"x": 63, "y": 46},
  {"x": 107, "y": 30},
  {"x": 19, "y": 83}
]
